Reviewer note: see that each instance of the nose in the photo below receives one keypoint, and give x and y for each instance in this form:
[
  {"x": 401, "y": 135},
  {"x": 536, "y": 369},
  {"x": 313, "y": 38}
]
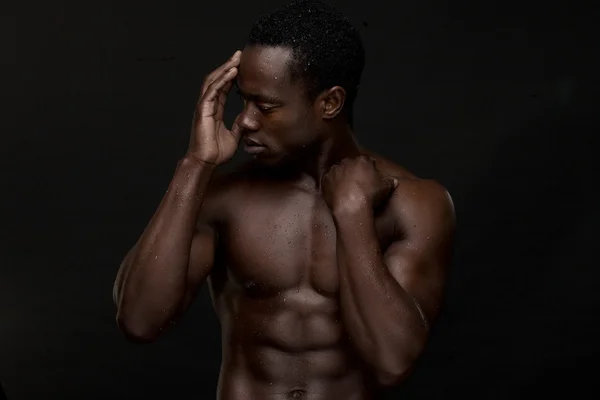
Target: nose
[{"x": 248, "y": 119}]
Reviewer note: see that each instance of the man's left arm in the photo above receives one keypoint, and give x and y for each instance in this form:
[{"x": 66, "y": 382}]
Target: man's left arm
[{"x": 388, "y": 300}]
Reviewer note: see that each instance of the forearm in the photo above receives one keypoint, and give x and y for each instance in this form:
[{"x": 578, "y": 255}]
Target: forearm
[
  {"x": 152, "y": 280},
  {"x": 383, "y": 320}
]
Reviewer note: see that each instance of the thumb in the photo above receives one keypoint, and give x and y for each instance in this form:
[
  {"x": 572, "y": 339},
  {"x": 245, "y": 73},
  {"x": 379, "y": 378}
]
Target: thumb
[
  {"x": 388, "y": 185},
  {"x": 236, "y": 130}
]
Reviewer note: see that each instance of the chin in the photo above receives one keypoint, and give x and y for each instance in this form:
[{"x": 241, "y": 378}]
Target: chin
[
  {"x": 267, "y": 159},
  {"x": 272, "y": 160}
]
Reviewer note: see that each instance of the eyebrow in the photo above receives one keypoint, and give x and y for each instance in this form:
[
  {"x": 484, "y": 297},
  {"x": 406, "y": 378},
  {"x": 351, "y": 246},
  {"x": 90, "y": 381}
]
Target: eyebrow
[{"x": 260, "y": 97}]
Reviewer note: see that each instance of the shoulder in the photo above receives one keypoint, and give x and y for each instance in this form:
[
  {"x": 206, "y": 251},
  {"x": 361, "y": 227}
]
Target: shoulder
[
  {"x": 423, "y": 201},
  {"x": 225, "y": 189},
  {"x": 417, "y": 202}
]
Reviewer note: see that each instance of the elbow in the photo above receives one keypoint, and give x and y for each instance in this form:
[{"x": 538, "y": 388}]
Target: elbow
[
  {"x": 135, "y": 330},
  {"x": 390, "y": 377},
  {"x": 394, "y": 367}
]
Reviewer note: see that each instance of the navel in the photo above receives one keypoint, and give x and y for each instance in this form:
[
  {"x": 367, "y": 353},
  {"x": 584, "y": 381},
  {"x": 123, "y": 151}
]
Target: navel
[{"x": 296, "y": 394}]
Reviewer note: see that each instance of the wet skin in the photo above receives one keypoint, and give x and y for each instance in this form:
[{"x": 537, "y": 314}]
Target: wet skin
[{"x": 325, "y": 278}]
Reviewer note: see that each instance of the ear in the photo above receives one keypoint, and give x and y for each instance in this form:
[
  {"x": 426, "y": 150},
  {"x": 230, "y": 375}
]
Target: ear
[{"x": 331, "y": 102}]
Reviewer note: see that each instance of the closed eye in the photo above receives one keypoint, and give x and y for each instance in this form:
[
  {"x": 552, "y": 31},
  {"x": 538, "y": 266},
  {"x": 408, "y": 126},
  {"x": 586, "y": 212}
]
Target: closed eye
[
  {"x": 261, "y": 106},
  {"x": 265, "y": 107}
]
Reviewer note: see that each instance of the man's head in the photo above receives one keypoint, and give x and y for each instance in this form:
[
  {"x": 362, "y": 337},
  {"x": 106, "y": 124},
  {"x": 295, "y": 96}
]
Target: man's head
[{"x": 309, "y": 59}]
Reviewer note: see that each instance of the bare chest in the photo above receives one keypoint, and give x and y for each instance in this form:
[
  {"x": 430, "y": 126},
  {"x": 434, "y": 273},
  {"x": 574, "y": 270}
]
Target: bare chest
[{"x": 282, "y": 245}]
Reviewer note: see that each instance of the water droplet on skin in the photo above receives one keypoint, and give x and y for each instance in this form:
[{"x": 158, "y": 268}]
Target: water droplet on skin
[{"x": 155, "y": 257}]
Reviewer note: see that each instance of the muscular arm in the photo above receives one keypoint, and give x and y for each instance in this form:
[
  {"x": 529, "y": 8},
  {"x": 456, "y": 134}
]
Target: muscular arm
[
  {"x": 161, "y": 274},
  {"x": 388, "y": 300}
]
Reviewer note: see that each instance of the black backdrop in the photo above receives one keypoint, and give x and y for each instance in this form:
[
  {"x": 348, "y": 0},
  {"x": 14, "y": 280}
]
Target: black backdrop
[{"x": 493, "y": 99}]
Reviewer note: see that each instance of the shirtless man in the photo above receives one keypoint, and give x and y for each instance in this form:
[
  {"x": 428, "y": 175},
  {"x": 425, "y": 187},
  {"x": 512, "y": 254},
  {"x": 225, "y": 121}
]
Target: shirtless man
[{"x": 325, "y": 262}]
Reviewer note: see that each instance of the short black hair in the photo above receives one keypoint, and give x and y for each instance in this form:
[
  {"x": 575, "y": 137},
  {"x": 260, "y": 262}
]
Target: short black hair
[{"x": 326, "y": 48}]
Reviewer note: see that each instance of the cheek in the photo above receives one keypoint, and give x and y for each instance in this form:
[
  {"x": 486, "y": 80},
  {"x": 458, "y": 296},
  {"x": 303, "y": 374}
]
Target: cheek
[
  {"x": 291, "y": 130},
  {"x": 304, "y": 126}
]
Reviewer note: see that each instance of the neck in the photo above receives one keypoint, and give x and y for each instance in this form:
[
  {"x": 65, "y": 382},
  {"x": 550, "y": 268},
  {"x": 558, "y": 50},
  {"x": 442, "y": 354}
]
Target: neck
[
  {"x": 315, "y": 162},
  {"x": 332, "y": 151}
]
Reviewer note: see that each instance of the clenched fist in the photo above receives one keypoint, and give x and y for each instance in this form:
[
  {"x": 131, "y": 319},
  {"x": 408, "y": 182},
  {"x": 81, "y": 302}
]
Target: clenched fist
[{"x": 355, "y": 182}]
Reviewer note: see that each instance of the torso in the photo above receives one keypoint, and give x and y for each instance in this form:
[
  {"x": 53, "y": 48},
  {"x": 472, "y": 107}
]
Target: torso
[{"x": 275, "y": 290}]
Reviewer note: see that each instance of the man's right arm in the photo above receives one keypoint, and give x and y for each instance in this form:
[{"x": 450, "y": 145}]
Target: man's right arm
[{"x": 161, "y": 274}]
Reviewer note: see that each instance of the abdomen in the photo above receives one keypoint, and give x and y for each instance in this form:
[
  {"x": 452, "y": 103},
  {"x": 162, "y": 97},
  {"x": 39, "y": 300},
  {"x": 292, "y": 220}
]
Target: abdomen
[{"x": 292, "y": 342}]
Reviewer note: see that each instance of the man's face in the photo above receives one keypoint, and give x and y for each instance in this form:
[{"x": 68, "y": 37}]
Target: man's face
[{"x": 277, "y": 113}]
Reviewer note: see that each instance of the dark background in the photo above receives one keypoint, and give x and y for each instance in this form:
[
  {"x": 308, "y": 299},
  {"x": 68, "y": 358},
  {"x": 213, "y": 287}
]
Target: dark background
[{"x": 492, "y": 99}]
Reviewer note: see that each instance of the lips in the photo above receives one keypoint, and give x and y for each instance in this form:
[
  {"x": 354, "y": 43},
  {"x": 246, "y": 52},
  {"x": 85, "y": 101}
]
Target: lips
[
  {"x": 251, "y": 146},
  {"x": 252, "y": 143}
]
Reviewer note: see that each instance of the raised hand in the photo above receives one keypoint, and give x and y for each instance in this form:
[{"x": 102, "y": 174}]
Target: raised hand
[{"x": 211, "y": 141}]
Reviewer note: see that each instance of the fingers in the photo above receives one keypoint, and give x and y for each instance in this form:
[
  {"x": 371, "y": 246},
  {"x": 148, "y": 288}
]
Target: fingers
[
  {"x": 236, "y": 130},
  {"x": 216, "y": 86},
  {"x": 234, "y": 61},
  {"x": 213, "y": 101},
  {"x": 390, "y": 183},
  {"x": 385, "y": 191},
  {"x": 222, "y": 99}
]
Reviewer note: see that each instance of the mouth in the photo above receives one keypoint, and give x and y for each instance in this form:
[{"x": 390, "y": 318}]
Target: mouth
[
  {"x": 253, "y": 147},
  {"x": 252, "y": 142}
]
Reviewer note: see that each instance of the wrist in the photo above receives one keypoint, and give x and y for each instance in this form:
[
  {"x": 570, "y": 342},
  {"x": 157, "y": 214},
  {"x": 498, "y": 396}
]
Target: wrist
[
  {"x": 190, "y": 158},
  {"x": 351, "y": 205},
  {"x": 193, "y": 171},
  {"x": 191, "y": 177}
]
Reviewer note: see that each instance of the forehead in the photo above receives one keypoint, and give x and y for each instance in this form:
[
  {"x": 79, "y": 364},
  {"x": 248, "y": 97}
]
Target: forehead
[{"x": 264, "y": 70}]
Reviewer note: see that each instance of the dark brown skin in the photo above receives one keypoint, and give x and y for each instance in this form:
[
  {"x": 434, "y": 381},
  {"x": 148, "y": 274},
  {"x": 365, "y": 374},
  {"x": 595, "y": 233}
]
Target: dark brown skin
[{"x": 325, "y": 262}]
